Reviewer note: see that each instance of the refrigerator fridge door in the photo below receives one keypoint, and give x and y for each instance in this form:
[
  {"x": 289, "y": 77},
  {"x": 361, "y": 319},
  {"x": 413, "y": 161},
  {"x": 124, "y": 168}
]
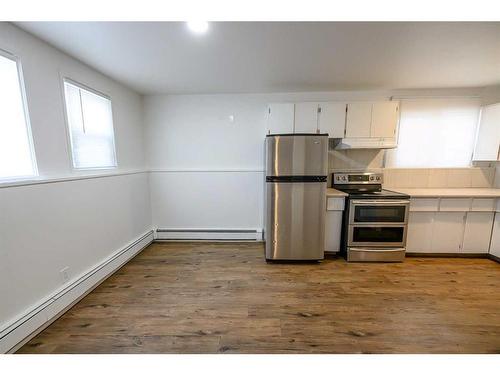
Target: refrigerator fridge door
[
  {"x": 295, "y": 220},
  {"x": 297, "y": 155}
]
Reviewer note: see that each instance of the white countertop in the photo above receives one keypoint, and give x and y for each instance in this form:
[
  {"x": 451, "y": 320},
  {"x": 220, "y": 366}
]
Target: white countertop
[
  {"x": 449, "y": 192},
  {"x": 331, "y": 192}
]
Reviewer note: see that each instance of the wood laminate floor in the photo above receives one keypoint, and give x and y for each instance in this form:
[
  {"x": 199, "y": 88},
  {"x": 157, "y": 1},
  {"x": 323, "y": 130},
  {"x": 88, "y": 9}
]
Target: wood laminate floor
[{"x": 224, "y": 298}]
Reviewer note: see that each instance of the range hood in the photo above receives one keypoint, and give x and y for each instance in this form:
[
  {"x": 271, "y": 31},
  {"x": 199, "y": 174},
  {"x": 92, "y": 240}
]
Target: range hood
[{"x": 364, "y": 143}]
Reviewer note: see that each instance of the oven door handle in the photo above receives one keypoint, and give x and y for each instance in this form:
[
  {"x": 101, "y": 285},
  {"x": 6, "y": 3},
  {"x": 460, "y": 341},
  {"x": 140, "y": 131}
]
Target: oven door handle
[{"x": 376, "y": 202}]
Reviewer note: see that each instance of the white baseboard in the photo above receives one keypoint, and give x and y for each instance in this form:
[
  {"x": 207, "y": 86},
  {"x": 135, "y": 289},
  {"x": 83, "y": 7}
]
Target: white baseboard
[
  {"x": 209, "y": 234},
  {"x": 13, "y": 336}
]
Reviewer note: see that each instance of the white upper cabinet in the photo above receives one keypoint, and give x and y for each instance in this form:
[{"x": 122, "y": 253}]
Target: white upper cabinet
[
  {"x": 488, "y": 135},
  {"x": 372, "y": 120},
  {"x": 358, "y": 122},
  {"x": 306, "y": 117},
  {"x": 368, "y": 124},
  {"x": 385, "y": 116},
  {"x": 331, "y": 119},
  {"x": 280, "y": 118}
]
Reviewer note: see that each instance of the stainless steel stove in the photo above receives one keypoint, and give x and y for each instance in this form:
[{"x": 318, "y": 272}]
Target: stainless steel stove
[{"x": 375, "y": 221}]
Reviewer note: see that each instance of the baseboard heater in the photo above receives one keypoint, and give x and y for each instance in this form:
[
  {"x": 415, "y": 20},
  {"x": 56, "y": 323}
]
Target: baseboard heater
[
  {"x": 209, "y": 234},
  {"x": 46, "y": 311}
]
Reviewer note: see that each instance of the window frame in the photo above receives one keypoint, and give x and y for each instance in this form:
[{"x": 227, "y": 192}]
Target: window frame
[
  {"x": 85, "y": 87},
  {"x": 27, "y": 121}
]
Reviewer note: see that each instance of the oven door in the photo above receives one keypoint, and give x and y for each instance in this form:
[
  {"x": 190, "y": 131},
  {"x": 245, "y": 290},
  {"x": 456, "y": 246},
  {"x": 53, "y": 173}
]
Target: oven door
[
  {"x": 364, "y": 211},
  {"x": 377, "y": 235}
]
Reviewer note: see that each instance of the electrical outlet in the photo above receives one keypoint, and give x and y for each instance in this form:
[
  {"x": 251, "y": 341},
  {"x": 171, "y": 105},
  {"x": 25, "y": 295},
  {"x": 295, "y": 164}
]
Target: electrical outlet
[{"x": 64, "y": 274}]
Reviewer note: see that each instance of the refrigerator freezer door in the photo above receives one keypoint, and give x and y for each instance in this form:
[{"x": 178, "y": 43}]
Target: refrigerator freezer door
[
  {"x": 295, "y": 220},
  {"x": 297, "y": 155}
]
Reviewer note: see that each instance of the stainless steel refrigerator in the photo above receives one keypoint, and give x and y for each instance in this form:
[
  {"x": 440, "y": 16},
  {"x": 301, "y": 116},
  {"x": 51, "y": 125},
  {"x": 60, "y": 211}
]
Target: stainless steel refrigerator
[{"x": 295, "y": 196}]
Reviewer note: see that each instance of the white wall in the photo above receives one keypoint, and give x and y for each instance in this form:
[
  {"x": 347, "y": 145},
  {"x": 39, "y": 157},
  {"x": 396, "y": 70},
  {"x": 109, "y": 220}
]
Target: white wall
[
  {"x": 75, "y": 223},
  {"x": 44, "y": 67},
  {"x": 207, "y": 171}
]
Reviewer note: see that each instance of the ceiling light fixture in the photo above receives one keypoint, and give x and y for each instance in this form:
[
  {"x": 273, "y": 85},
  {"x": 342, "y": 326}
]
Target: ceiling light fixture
[{"x": 198, "y": 27}]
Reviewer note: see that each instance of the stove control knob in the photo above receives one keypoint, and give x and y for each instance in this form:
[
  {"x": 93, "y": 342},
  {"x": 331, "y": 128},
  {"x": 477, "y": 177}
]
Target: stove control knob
[
  {"x": 337, "y": 178},
  {"x": 343, "y": 178},
  {"x": 378, "y": 178},
  {"x": 371, "y": 178}
]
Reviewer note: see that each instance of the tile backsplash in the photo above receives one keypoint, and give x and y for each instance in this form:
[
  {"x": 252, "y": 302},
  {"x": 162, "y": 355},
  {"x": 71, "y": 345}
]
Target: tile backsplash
[
  {"x": 439, "y": 177},
  {"x": 373, "y": 160}
]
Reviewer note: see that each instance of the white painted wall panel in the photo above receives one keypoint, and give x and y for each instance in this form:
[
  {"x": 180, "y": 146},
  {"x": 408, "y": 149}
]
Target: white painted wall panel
[
  {"x": 75, "y": 224},
  {"x": 207, "y": 200}
]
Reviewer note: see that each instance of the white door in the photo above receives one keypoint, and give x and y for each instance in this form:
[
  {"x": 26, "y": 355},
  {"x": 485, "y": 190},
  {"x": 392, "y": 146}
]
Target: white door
[
  {"x": 332, "y": 119},
  {"x": 488, "y": 136},
  {"x": 447, "y": 232},
  {"x": 385, "y": 117},
  {"x": 495, "y": 237},
  {"x": 280, "y": 118},
  {"x": 419, "y": 239},
  {"x": 478, "y": 232},
  {"x": 306, "y": 117},
  {"x": 358, "y": 122}
]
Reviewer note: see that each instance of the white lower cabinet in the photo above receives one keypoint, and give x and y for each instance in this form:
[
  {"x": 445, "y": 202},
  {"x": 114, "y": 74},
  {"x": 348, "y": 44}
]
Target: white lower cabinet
[
  {"x": 453, "y": 230},
  {"x": 495, "y": 237},
  {"x": 478, "y": 232},
  {"x": 447, "y": 232},
  {"x": 333, "y": 230},
  {"x": 419, "y": 239},
  {"x": 333, "y": 225}
]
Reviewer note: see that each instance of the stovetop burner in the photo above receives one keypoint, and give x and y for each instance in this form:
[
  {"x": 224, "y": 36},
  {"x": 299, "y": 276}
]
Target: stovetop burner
[{"x": 386, "y": 194}]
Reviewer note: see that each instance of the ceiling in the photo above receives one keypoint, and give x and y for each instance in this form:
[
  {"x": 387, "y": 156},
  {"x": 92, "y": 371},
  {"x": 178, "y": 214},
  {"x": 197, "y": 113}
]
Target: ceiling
[{"x": 165, "y": 57}]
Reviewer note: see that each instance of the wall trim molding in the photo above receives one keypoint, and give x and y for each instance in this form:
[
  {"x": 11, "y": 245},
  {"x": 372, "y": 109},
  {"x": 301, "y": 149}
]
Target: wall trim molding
[
  {"x": 209, "y": 234},
  {"x": 24, "y": 327},
  {"x": 207, "y": 170},
  {"x": 52, "y": 180}
]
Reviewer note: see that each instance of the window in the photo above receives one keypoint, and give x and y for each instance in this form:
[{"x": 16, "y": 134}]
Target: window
[
  {"x": 16, "y": 149},
  {"x": 90, "y": 123},
  {"x": 435, "y": 133}
]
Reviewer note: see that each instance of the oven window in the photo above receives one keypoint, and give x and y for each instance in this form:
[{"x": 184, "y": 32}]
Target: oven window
[
  {"x": 378, "y": 234},
  {"x": 379, "y": 214}
]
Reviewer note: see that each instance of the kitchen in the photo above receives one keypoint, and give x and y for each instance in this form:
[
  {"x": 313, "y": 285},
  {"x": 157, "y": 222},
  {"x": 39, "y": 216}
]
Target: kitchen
[
  {"x": 448, "y": 215},
  {"x": 328, "y": 203}
]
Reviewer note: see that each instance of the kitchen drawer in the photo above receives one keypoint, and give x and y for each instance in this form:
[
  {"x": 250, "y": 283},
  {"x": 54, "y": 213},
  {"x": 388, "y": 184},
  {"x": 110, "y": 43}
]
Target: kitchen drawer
[
  {"x": 455, "y": 204},
  {"x": 483, "y": 204},
  {"x": 424, "y": 204},
  {"x": 335, "y": 204}
]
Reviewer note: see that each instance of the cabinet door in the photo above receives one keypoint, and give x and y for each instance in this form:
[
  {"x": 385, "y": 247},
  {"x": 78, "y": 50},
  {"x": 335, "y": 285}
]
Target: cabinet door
[
  {"x": 488, "y": 137},
  {"x": 419, "y": 239},
  {"x": 495, "y": 237},
  {"x": 358, "y": 122},
  {"x": 332, "y": 119},
  {"x": 306, "y": 118},
  {"x": 280, "y": 118},
  {"x": 447, "y": 232},
  {"x": 477, "y": 232},
  {"x": 332, "y": 231},
  {"x": 385, "y": 116}
]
